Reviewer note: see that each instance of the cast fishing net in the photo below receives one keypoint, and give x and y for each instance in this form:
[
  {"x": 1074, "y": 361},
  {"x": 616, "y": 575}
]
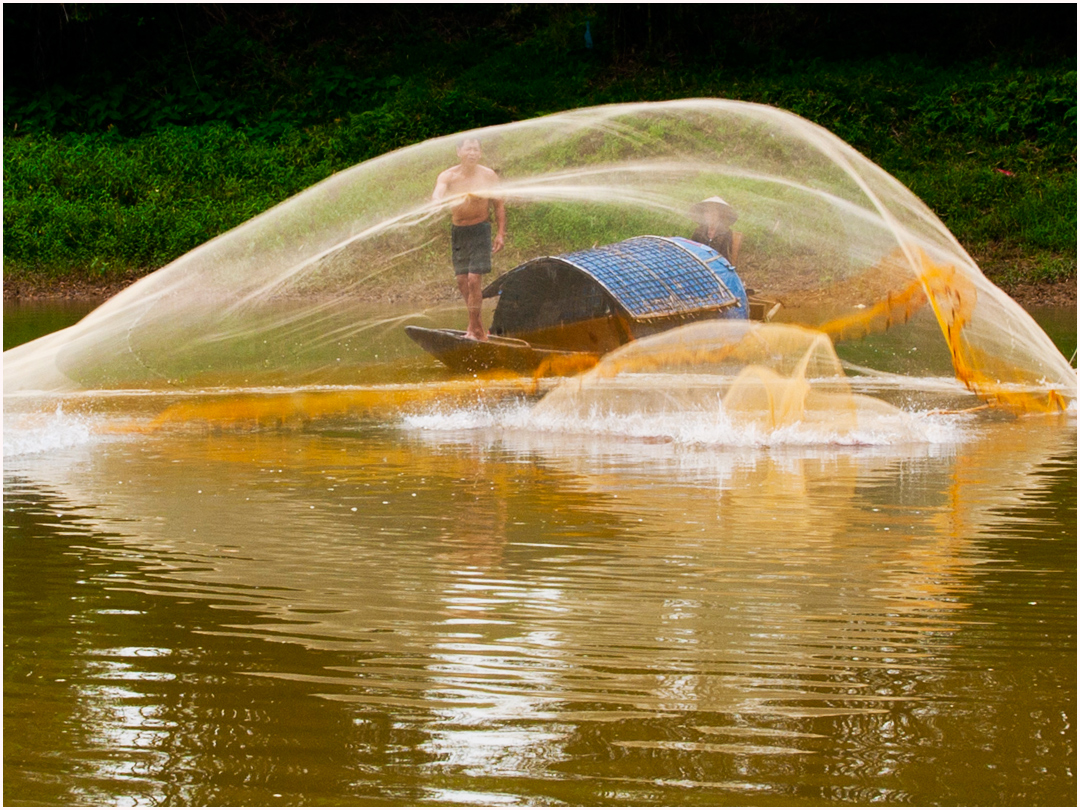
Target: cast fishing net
[{"x": 316, "y": 291}]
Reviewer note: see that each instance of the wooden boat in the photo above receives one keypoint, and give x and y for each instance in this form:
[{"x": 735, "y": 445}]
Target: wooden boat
[{"x": 561, "y": 312}]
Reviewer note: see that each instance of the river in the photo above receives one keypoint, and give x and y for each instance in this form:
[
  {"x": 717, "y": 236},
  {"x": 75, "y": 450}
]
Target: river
[{"x": 448, "y": 611}]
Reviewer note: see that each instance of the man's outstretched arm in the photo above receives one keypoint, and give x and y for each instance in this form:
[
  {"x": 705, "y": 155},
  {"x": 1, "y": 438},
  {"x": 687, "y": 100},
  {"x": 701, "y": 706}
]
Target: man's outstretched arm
[{"x": 441, "y": 185}]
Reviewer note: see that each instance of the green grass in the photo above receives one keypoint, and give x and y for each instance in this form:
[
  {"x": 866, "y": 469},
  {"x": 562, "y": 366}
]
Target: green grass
[{"x": 989, "y": 147}]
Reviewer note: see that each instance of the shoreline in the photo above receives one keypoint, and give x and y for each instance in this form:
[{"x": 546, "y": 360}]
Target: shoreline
[{"x": 24, "y": 290}]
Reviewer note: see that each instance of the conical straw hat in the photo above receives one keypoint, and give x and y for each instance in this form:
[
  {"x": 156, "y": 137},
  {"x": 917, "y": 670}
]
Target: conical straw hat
[{"x": 697, "y": 211}]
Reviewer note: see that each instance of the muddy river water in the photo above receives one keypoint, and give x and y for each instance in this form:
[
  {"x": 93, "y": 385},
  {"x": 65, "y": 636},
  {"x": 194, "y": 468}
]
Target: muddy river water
[{"x": 446, "y": 611}]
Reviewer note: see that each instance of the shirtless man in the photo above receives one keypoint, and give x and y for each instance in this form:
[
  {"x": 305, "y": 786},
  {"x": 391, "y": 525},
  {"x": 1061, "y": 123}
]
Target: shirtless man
[{"x": 470, "y": 233}]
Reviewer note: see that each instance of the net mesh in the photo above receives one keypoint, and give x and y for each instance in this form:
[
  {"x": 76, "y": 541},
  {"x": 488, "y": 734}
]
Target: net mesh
[{"x": 317, "y": 290}]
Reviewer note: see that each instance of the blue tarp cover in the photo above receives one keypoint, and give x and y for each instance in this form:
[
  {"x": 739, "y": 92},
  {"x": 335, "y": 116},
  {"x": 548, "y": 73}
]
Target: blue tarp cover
[{"x": 651, "y": 276}]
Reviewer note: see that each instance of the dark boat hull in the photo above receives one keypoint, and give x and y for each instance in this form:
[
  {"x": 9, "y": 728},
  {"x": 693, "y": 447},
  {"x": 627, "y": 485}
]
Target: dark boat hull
[{"x": 463, "y": 354}]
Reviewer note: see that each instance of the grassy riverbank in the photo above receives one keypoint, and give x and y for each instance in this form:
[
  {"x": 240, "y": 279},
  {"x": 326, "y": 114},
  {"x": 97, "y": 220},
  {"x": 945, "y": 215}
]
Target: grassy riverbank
[{"x": 100, "y": 189}]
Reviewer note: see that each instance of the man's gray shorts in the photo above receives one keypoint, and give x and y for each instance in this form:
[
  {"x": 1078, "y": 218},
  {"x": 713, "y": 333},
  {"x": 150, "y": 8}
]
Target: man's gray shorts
[{"x": 471, "y": 248}]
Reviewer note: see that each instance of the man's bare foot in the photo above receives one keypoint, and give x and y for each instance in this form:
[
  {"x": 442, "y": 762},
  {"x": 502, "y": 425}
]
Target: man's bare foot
[{"x": 475, "y": 336}]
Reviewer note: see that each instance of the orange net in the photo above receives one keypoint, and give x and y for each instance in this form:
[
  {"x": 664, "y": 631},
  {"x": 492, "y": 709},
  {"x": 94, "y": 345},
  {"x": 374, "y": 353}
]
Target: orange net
[
  {"x": 993, "y": 377},
  {"x": 954, "y": 298}
]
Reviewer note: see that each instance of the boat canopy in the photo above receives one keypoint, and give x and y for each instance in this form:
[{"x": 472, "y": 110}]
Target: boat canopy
[{"x": 647, "y": 276}]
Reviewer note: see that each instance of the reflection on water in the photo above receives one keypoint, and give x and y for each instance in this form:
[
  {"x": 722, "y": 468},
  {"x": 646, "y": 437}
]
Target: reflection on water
[{"x": 385, "y": 613}]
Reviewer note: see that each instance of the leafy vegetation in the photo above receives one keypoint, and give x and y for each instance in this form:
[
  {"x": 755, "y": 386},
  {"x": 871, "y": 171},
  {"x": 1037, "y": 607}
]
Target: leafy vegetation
[{"x": 134, "y": 133}]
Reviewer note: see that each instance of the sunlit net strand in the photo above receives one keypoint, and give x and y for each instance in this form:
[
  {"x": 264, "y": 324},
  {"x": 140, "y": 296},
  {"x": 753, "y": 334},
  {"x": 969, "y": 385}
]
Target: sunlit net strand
[
  {"x": 533, "y": 190},
  {"x": 840, "y": 152},
  {"x": 400, "y": 222},
  {"x": 304, "y": 319}
]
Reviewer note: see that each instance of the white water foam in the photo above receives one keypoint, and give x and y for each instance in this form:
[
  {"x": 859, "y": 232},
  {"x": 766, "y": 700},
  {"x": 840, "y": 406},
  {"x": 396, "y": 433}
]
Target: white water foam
[
  {"x": 30, "y": 433},
  {"x": 697, "y": 429}
]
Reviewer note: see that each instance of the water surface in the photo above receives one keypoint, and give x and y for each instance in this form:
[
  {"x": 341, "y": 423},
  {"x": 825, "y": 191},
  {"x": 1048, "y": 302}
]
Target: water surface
[
  {"x": 450, "y": 611},
  {"x": 26, "y": 320}
]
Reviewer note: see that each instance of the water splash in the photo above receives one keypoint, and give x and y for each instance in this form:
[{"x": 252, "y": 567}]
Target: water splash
[
  {"x": 316, "y": 291},
  {"x": 32, "y": 433},
  {"x": 689, "y": 430},
  {"x": 720, "y": 384}
]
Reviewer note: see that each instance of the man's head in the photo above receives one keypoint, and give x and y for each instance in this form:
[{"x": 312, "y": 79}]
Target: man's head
[
  {"x": 714, "y": 211},
  {"x": 468, "y": 150}
]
